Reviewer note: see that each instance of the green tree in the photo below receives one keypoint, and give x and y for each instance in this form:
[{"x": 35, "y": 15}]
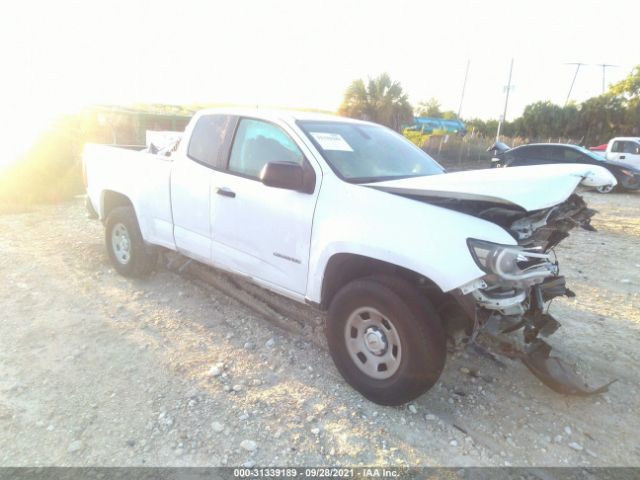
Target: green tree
[
  {"x": 481, "y": 128},
  {"x": 429, "y": 108},
  {"x": 627, "y": 91},
  {"x": 380, "y": 100},
  {"x": 628, "y": 88},
  {"x": 594, "y": 121}
]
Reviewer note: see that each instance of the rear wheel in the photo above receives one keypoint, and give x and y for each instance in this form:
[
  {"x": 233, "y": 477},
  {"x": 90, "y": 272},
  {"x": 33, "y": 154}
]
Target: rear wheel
[
  {"x": 386, "y": 339},
  {"x": 127, "y": 251}
]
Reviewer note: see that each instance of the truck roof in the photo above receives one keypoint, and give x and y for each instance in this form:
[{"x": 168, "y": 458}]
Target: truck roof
[
  {"x": 633, "y": 139},
  {"x": 291, "y": 115}
]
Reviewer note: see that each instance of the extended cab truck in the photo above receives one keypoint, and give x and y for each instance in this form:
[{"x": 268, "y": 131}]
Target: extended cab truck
[
  {"x": 624, "y": 150},
  {"x": 350, "y": 217}
]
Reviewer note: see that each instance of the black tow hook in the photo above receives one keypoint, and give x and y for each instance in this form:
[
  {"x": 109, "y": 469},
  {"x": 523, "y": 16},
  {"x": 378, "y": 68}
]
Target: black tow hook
[
  {"x": 552, "y": 288},
  {"x": 540, "y": 322}
]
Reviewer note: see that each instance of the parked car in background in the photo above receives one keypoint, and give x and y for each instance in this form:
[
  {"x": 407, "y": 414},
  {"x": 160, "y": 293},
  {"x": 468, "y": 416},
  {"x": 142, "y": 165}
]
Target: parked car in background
[{"x": 627, "y": 175}]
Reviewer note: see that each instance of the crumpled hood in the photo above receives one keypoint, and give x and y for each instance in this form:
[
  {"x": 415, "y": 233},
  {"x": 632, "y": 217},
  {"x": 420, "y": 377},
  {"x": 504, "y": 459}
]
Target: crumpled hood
[{"x": 531, "y": 188}]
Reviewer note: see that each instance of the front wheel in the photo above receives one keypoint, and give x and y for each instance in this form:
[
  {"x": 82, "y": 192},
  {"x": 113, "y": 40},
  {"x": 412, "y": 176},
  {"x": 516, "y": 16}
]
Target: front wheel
[
  {"x": 386, "y": 339},
  {"x": 605, "y": 188},
  {"x": 127, "y": 251}
]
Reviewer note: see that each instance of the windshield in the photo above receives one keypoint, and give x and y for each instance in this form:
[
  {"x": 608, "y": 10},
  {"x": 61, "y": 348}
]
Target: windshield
[{"x": 362, "y": 153}]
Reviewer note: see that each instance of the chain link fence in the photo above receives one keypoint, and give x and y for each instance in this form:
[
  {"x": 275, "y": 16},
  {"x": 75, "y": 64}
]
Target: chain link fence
[{"x": 455, "y": 152}]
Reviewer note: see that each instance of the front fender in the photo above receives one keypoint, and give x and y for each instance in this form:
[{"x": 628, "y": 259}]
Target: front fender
[{"x": 424, "y": 238}]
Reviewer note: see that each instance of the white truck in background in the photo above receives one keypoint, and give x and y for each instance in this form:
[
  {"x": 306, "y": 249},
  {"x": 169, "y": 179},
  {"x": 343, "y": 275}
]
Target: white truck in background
[
  {"x": 623, "y": 150},
  {"x": 350, "y": 217}
]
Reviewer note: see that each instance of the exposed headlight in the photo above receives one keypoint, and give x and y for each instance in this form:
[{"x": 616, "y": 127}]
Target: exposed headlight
[
  {"x": 493, "y": 257},
  {"x": 510, "y": 262}
]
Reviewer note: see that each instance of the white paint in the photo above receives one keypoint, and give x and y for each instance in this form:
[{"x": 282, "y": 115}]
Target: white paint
[
  {"x": 631, "y": 158},
  {"x": 178, "y": 208},
  {"x": 532, "y": 187}
]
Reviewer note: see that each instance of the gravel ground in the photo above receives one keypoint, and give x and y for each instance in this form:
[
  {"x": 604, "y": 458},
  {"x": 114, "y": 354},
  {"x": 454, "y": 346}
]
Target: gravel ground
[{"x": 97, "y": 369}]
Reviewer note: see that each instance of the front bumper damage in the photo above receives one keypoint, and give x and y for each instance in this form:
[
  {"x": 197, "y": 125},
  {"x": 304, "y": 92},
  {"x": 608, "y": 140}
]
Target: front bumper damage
[{"x": 501, "y": 302}]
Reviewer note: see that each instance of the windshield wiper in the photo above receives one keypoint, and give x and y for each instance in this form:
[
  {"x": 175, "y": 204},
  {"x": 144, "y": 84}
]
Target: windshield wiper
[{"x": 383, "y": 179}]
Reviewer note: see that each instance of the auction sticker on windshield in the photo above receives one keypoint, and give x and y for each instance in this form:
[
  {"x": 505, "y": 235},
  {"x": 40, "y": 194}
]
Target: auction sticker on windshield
[{"x": 332, "y": 141}]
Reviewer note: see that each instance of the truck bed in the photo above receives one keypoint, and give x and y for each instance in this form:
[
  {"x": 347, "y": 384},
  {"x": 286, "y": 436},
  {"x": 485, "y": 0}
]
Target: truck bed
[{"x": 143, "y": 177}]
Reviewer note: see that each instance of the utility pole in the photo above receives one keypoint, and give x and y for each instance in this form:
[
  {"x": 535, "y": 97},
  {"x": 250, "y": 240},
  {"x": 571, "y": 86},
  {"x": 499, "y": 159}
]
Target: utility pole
[
  {"x": 578, "y": 65},
  {"x": 604, "y": 66},
  {"x": 506, "y": 102},
  {"x": 464, "y": 86}
]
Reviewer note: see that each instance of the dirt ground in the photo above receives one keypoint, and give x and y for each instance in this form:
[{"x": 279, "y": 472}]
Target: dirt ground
[{"x": 97, "y": 369}]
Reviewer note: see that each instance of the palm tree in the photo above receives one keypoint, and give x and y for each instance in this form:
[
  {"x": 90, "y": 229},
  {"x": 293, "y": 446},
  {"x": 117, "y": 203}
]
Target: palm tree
[{"x": 381, "y": 100}]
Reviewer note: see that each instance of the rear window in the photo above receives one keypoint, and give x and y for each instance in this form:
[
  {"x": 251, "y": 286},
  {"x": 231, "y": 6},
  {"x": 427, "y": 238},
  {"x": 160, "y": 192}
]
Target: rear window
[
  {"x": 535, "y": 153},
  {"x": 571, "y": 155},
  {"x": 207, "y": 138}
]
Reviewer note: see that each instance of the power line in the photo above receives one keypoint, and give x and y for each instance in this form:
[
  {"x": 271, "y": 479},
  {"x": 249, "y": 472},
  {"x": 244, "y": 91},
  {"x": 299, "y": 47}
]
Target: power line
[
  {"x": 578, "y": 65},
  {"x": 464, "y": 86}
]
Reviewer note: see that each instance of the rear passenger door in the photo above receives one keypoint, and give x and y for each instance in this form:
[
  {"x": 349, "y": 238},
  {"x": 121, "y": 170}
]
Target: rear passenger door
[
  {"x": 547, "y": 154},
  {"x": 561, "y": 154},
  {"x": 192, "y": 173},
  {"x": 528, "y": 155},
  {"x": 259, "y": 231},
  {"x": 571, "y": 155}
]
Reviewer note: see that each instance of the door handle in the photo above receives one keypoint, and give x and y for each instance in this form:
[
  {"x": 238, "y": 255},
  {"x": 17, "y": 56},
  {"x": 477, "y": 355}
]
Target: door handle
[
  {"x": 622, "y": 157},
  {"x": 225, "y": 192}
]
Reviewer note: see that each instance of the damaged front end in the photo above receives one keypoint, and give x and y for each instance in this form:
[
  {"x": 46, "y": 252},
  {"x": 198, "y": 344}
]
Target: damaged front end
[{"x": 520, "y": 282}]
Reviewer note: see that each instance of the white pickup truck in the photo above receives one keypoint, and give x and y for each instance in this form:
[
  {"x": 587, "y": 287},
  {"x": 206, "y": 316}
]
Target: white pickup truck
[
  {"x": 624, "y": 150},
  {"x": 350, "y": 217}
]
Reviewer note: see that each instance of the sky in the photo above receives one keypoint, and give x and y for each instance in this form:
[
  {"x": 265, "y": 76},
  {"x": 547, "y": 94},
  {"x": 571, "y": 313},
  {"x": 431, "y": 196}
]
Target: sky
[{"x": 59, "y": 56}]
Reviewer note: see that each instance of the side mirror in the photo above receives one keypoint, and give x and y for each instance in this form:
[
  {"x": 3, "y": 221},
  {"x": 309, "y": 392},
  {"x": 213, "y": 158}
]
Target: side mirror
[{"x": 288, "y": 175}]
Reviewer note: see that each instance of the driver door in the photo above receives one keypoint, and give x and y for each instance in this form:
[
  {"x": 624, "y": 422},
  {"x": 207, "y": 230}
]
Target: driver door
[
  {"x": 259, "y": 231},
  {"x": 629, "y": 153}
]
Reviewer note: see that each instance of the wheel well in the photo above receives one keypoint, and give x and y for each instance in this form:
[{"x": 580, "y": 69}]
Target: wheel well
[
  {"x": 111, "y": 200},
  {"x": 343, "y": 268}
]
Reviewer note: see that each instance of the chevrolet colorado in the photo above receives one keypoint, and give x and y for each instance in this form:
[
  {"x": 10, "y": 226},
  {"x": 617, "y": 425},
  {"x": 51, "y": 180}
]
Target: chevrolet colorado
[{"x": 350, "y": 217}]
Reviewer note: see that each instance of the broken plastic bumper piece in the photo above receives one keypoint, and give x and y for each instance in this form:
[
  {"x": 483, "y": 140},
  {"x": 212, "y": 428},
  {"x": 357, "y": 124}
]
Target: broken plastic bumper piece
[
  {"x": 555, "y": 373},
  {"x": 535, "y": 354}
]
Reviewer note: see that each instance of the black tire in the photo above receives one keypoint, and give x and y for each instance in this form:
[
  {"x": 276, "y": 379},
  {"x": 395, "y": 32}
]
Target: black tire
[
  {"x": 141, "y": 259},
  {"x": 419, "y": 330},
  {"x": 627, "y": 184},
  {"x": 605, "y": 191}
]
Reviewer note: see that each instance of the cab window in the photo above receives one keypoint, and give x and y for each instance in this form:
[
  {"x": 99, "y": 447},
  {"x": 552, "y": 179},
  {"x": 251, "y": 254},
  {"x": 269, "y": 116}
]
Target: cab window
[
  {"x": 207, "y": 139},
  {"x": 630, "y": 147},
  {"x": 257, "y": 143}
]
